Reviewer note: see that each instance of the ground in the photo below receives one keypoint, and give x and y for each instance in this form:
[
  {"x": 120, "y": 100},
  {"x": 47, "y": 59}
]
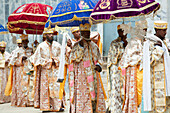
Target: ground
[{"x": 7, "y": 108}]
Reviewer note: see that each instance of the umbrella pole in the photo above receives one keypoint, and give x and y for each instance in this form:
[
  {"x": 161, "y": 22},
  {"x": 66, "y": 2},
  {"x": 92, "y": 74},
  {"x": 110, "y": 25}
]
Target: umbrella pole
[
  {"x": 36, "y": 33},
  {"x": 33, "y": 37},
  {"x": 123, "y": 21}
]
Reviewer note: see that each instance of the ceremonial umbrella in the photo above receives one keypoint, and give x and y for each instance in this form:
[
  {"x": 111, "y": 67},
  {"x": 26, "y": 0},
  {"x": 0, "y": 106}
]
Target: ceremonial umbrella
[
  {"x": 106, "y": 10},
  {"x": 70, "y": 13},
  {"x": 3, "y": 30},
  {"x": 29, "y": 17}
]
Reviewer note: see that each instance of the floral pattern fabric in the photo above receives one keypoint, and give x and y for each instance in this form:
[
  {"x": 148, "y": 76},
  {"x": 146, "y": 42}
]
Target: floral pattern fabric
[
  {"x": 21, "y": 81},
  {"x": 47, "y": 88},
  {"x": 86, "y": 88},
  {"x": 160, "y": 103},
  {"x": 4, "y": 72},
  {"x": 115, "y": 80}
]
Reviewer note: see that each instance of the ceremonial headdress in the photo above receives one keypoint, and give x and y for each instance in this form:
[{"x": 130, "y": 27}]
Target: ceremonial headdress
[
  {"x": 19, "y": 41},
  {"x": 85, "y": 27},
  {"x": 160, "y": 24},
  {"x": 2, "y": 44},
  {"x": 74, "y": 29},
  {"x": 50, "y": 31},
  {"x": 24, "y": 37},
  {"x": 142, "y": 24}
]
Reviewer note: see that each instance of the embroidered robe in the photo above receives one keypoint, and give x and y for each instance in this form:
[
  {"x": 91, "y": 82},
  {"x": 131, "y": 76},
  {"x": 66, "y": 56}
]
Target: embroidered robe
[
  {"x": 4, "y": 72},
  {"x": 21, "y": 82},
  {"x": 130, "y": 65},
  {"x": 115, "y": 81},
  {"x": 47, "y": 89},
  {"x": 159, "y": 101},
  {"x": 86, "y": 89}
]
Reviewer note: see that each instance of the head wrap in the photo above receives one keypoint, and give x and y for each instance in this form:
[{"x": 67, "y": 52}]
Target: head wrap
[
  {"x": 19, "y": 41},
  {"x": 24, "y": 37},
  {"x": 85, "y": 27},
  {"x": 74, "y": 29},
  {"x": 160, "y": 24},
  {"x": 2, "y": 44}
]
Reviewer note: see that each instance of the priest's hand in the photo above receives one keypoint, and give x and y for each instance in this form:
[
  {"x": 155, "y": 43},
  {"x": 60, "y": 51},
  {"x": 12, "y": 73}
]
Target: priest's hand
[
  {"x": 158, "y": 43},
  {"x": 69, "y": 44},
  {"x": 169, "y": 50},
  {"x": 60, "y": 80},
  {"x": 6, "y": 63},
  {"x": 53, "y": 62},
  {"x": 98, "y": 68}
]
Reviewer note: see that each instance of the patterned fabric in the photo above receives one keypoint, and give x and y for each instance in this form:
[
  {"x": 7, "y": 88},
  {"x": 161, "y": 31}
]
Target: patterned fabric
[
  {"x": 86, "y": 88},
  {"x": 130, "y": 62},
  {"x": 22, "y": 83},
  {"x": 160, "y": 103},
  {"x": 4, "y": 78},
  {"x": 46, "y": 86},
  {"x": 130, "y": 103},
  {"x": 114, "y": 76},
  {"x": 67, "y": 54},
  {"x": 133, "y": 53}
]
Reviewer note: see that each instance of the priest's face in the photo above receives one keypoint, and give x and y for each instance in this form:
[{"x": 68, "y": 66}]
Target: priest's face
[
  {"x": 2, "y": 49},
  {"x": 49, "y": 37},
  {"x": 76, "y": 35},
  {"x": 161, "y": 33},
  {"x": 25, "y": 43},
  {"x": 120, "y": 32},
  {"x": 19, "y": 44},
  {"x": 85, "y": 34}
]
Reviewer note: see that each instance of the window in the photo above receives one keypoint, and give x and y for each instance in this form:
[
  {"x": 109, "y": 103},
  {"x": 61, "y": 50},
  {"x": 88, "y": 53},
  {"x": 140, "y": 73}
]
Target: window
[{"x": 6, "y": 11}]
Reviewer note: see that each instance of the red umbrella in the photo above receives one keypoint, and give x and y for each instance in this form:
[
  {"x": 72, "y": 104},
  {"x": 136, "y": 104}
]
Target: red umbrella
[
  {"x": 29, "y": 17},
  {"x": 18, "y": 30}
]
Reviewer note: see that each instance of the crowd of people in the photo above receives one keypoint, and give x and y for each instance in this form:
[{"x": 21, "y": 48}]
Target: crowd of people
[{"x": 137, "y": 72}]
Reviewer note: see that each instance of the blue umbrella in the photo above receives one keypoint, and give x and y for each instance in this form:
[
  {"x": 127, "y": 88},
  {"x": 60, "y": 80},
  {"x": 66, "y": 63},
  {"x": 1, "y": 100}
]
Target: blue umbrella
[
  {"x": 70, "y": 13},
  {"x": 3, "y": 30}
]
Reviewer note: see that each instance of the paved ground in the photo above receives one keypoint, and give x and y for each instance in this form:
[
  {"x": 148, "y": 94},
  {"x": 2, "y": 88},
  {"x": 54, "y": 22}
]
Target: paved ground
[{"x": 7, "y": 108}]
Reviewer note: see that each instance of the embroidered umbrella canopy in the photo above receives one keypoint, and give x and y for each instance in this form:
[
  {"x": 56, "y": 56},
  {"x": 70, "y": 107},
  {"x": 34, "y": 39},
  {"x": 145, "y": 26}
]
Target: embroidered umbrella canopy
[
  {"x": 29, "y": 17},
  {"x": 106, "y": 10},
  {"x": 71, "y": 13},
  {"x": 3, "y": 30}
]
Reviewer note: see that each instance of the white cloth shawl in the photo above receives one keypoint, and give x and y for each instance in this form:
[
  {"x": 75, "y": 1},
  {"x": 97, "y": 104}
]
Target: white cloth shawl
[
  {"x": 146, "y": 71},
  {"x": 62, "y": 58}
]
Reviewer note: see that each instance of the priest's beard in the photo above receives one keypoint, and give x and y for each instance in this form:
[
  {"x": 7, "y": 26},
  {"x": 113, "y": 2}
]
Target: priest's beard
[
  {"x": 25, "y": 46},
  {"x": 50, "y": 39},
  {"x": 2, "y": 51}
]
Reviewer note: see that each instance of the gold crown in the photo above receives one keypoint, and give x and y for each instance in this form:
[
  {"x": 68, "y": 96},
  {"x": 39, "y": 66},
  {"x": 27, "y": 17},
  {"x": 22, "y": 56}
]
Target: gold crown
[
  {"x": 141, "y": 24},
  {"x": 160, "y": 24},
  {"x": 85, "y": 27},
  {"x": 50, "y": 31},
  {"x": 19, "y": 41},
  {"x": 2, "y": 44},
  {"x": 24, "y": 37},
  {"x": 74, "y": 29}
]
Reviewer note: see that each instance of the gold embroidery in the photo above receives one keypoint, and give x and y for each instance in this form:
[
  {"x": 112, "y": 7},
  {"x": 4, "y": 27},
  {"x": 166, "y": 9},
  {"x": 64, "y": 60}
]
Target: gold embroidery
[
  {"x": 124, "y": 3},
  {"x": 104, "y": 4},
  {"x": 143, "y": 1}
]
